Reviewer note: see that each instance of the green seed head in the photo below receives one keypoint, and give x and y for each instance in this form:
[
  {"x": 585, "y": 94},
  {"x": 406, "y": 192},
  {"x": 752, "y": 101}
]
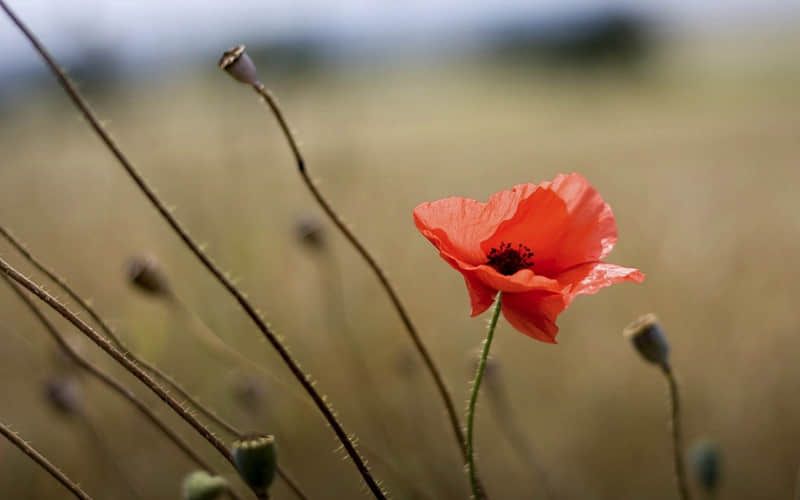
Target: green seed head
[
  {"x": 256, "y": 460},
  {"x": 200, "y": 485},
  {"x": 649, "y": 339},
  {"x": 706, "y": 462}
]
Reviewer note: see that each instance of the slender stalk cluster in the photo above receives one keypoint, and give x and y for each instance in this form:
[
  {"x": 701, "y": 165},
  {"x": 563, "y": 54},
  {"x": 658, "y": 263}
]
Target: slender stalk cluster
[{"x": 498, "y": 247}]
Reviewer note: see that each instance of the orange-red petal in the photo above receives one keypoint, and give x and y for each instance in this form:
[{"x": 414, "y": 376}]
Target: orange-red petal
[
  {"x": 534, "y": 313},
  {"x": 590, "y": 277},
  {"x": 565, "y": 223},
  {"x": 591, "y": 231},
  {"x": 480, "y": 296},
  {"x": 524, "y": 280},
  {"x": 457, "y": 226}
]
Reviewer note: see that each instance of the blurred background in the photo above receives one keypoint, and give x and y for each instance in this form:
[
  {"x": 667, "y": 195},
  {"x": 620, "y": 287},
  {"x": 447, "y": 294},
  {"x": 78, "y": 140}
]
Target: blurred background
[{"x": 685, "y": 116}]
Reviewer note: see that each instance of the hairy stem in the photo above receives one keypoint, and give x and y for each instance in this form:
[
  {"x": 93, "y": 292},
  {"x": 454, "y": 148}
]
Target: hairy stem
[
  {"x": 119, "y": 357},
  {"x": 105, "y": 378},
  {"x": 108, "y": 331},
  {"x": 677, "y": 436},
  {"x": 477, "y": 491},
  {"x": 44, "y": 463},
  {"x": 115, "y": 385},
  {"x": 423, "y": 351},
  {"x": 305, "y": 380}
]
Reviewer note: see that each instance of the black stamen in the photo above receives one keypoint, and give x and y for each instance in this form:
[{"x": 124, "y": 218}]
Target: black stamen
[{"x": 508, "y": 260}]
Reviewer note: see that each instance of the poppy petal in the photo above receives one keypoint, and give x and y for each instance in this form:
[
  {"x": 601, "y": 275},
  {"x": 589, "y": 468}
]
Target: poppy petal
[
  {"x": 521, "y": 281},
  {"x": 538, "y": 224},
  {"x": 480, "y": 296},
  {"x": 590, "y": 232},
  {"x": 534, "y": 313},
  {"x": 589, "y": 278},
  {"x": 457, "y": 225}
]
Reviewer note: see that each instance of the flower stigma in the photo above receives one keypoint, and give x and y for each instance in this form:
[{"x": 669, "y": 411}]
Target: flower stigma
[{"x": 508, "y": 260}]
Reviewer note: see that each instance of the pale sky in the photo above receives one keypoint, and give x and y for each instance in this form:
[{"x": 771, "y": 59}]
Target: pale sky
[{"x": 146, "y": 28}]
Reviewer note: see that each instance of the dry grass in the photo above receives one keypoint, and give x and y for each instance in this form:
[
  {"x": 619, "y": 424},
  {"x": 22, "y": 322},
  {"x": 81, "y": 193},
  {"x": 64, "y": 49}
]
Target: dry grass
[{"x": 699, "y": 163}]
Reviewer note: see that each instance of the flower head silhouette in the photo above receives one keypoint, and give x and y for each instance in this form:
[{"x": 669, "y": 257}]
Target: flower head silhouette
[{"x": 541, "y": 245}]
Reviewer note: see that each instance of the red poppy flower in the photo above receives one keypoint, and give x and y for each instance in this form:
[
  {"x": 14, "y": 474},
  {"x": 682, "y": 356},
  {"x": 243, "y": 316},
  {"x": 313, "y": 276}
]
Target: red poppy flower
[{"x": 541, "y": 245}]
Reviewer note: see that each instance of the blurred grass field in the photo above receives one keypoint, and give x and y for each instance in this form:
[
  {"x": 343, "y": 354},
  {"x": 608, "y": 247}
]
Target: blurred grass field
[{"x": 697, "y": 155}]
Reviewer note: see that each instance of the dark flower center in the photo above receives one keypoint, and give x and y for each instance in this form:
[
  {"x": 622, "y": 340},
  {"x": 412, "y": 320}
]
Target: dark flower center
[{"x": 508, "y": 260}]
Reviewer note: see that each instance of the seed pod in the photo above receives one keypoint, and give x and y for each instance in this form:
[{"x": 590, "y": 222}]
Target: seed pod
[
  {"x": 64, "y": 396},
  {"x": 256, "y": 460},
  {"x": 649, "y": 339},
  {"x": 706, "y": 462},
  {"x": 200, "y": 485},
  {"x": 145, "y": 274},
  {"x": 238, "y": 64},
  {"x": 310, "y": 232}
]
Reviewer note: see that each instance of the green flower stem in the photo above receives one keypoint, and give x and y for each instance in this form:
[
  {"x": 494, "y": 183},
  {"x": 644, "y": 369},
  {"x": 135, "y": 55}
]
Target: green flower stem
[{"x": 473, "y": 399}]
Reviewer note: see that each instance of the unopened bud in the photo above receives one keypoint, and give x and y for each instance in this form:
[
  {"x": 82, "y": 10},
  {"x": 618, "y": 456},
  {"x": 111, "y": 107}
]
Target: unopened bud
[
  {"x": 64, "y": 396},
  {"x": 706, "y": 462},
  {"x": 256, "y": 460},
  {"x": 145, "y": 274},
  {"x": 310, "y": 232},
  {"x": 649, "y": 339},
  {"x": 238, "y": 64},
  {"x": 200, "y": 485}
]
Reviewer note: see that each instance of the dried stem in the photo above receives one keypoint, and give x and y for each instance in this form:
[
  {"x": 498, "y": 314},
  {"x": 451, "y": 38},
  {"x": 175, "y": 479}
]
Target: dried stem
[
  {"x": 110, "y": 382},
  {"x": 305, "y": 380},
  {"x": 119, "y": 357},
  {"x": 107, "y": 379},
  {"x": 152, "y": 369},
  {"x": 444, "y": 393},
  {"x": 677, "y": 437},
  {"x": 44, "y": 463},
  {"x": 108, "y": 331}
]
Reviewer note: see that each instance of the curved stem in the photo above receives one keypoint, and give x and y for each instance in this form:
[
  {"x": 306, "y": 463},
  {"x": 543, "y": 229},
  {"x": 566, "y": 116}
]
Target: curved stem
[
  {"x": 114, "y": 384},
  {"x": 430, "y": 365},
  {"x": 105, "y": 378},
  {"x": 43, "y": 462},
  {"x": 119, "y": 357},
  {"x": 305, "y": 380},
  {"x": 677, "y": 437},
  {"x": 477, "y": 491},
  {"x": 108, "y": 331}
]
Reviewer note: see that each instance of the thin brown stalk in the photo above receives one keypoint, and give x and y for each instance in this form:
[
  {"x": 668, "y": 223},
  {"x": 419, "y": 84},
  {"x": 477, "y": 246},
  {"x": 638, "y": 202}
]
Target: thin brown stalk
[
  {"x": 423, "y": 351},
  {"x": 44, "y": 463},
  {"x": 109, "y": 332},
  {"x": 677, "y": 436},
  {"x": 119, "y": 357},
  {"x": 305, "y": 380},
  {"x": 108, "y": 380},
  {"x": 114, "y": 338}
]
